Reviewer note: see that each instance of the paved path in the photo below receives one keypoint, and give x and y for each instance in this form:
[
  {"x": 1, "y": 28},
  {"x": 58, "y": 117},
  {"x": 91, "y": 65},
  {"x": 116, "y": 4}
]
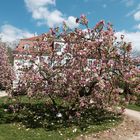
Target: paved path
[
  {"x": 129, "y": 129},
  {"x": 136, "y": 116},
  {"x": 3, "y": 93},
  {"x": 133, "y": 114}
]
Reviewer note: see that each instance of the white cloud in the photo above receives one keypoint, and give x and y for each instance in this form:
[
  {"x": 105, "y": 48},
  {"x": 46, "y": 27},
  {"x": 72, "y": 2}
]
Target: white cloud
[
  {"x": 137, "y": 26},
  {"x": 9, "y": 33},
  {"x": 137, "y": 16},
  {"x": 71, "y": 21},
  {"x": 128, "y": 3},
  {"x": 133, "y": 11},
  {"x": 41, "y": 12},
  {"x": 133, "y": 37}
]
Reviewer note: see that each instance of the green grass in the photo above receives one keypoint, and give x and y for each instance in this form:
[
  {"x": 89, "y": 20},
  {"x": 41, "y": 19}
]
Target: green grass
[
  {"x": 133, "y": 107},
  {"x": 19, "y": 132},
  {"x": 21, "y": 126}
]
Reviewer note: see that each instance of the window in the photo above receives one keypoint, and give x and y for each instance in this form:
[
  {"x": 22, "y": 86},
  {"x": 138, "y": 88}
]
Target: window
[
  {"x": 67, "y": 61},
  {"x": 26, "y": 46},
  {"x": 57, "y": 47},
  {"x": 45, "y": 39},
  {"x": 21, "y": 61},
  {"x": 35, "y": 48},
  {"x": 90, "y": 62}
]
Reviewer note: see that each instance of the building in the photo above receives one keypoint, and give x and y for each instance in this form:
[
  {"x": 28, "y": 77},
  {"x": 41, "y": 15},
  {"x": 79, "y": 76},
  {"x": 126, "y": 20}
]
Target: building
[{"x": 24, "y": 50}]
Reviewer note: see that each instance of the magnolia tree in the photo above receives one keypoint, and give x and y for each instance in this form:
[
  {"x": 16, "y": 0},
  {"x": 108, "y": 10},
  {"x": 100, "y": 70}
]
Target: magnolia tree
[
  {"x": 6, "y": 72},
  {"x": 92, "y": 69}
]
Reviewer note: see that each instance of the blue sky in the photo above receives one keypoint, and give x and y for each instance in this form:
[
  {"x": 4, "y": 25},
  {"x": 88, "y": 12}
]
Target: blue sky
[{"x": 22, "y": 18}]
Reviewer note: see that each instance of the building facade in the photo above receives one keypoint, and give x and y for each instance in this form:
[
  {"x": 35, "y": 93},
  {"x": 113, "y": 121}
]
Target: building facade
[{"x": 24, "y": 51}]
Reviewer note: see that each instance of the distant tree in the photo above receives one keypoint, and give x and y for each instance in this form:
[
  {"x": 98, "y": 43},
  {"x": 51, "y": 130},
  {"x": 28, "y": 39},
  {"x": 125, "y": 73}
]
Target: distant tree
[
  {"x": 136, "y": 53},
  {"x": 6, "y": 71},
  {"x": 10, "y": 54}
]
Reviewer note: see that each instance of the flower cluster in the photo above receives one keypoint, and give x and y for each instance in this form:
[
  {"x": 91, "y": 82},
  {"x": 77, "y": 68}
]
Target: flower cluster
[{"x": 6, "y": 71}]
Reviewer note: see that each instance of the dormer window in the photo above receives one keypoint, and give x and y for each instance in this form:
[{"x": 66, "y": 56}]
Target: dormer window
[
  {"x": 26, "y": 46},
  {"x": 45, "y": 39},
  {"x": 36, "y": 48}
]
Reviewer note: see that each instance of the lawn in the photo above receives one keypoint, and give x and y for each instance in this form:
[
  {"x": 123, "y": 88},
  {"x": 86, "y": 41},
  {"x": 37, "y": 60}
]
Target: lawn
[
  {"x": 134, "y": 107},
  {"x": 24, "y": 125},
  {"x": 15, "y": 131}
]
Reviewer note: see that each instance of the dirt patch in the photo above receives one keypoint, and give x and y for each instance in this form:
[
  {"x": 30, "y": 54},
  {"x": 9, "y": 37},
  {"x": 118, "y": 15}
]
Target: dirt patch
[{"x": 129, "y": 129}]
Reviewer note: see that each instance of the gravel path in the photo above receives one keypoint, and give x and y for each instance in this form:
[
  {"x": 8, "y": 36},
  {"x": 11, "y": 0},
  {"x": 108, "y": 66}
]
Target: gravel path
[
  {"x": 133, "y": 114},
  {"x": 129, "y": 129},
  {"x": 136, "y": 116}
]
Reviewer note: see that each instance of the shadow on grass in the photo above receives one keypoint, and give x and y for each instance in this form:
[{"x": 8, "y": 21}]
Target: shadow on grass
[{"x": 41, "y": 115}]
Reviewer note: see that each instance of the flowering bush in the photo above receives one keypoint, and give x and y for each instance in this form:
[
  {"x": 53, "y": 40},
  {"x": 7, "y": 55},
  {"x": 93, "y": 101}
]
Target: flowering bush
[
  {"x": 91, "y": 70},
  {"x": 6, "y": 72}
]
